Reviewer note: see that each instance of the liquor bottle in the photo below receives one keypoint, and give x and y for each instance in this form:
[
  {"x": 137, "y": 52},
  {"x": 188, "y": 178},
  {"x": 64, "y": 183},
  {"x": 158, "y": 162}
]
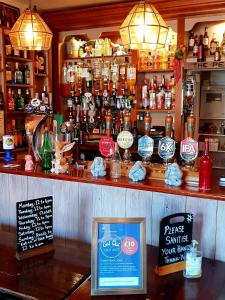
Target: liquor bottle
[
  {"x": 168, "y": 125},
  {"x": 115, "y": 169},
  {"x": 191, "y": 125},
  {"x": 44, "y": 96},
  {"x": 223, "y": 45},
  {"x": 195, "y": 47},
  {"x": 1, "y": 99},
  {"x": 152, "y": 96},
  {"x": 147, "y": 123},
  {"x": 8, "y": 72},
  {"x": 108, "y": 123},
  {"x": 106, "y": 72},
  {"x": 191, "y": 41},
  {"x": 18, "y": 76},
  {"x": 27, "y": 97},
  {"x": 46, "y": 152},
  {"x": 134, "y": 132},
  {"x": 217, "y": 55},
  {"x": 10, "y": 101},
  {"x": 19, "y": 101},
  {"x": 64, "y": 74},
  {"x": 131, "y": 76},
  {"x": 27, "y": 78},
  {"x": 144, "y": 92},
  {"x": 205, "y": 169},
  {"x": 206, "y": 39},
  {"x": 115, "y": 72},
  {"x": 213, "y": 45},
  {"x": 200, "y": 55}
]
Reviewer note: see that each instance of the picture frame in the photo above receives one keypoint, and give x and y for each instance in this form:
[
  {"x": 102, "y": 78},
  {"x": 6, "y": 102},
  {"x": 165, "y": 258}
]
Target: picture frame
[
  {"x": 8, "y": 15},
  {"x": 118, "y": 256}
]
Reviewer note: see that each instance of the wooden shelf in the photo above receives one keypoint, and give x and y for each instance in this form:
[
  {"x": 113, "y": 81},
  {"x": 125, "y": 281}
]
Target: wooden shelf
[
  {"x": 40, "y": 75},
  {"x": 208, "y": 118},
  {"x": 156, "y": 110},
  {"x": 15, "y": 58},
  {"x": 19, "y": 85},
  {"x": 156, "y": 71},
  {"x": 212, "y": 134},
  {"x": 96, "y": 57}
]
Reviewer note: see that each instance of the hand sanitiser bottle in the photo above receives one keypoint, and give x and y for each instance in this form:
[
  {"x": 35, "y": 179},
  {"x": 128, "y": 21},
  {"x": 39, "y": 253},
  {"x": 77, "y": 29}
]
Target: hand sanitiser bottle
[{"x": 193, "y": 261}]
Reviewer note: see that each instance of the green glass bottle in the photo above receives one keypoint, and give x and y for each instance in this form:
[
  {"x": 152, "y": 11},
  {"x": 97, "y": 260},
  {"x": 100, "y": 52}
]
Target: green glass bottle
[{"x": 46, "y": 152}]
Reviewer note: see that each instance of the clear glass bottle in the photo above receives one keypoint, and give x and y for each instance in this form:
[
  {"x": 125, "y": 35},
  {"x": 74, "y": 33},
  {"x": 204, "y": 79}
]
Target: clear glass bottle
[
  {"x": 18, "y": 77},
  {"x": 115, "y": 170},
  {"x": 46, "y": 152},
  {"x": 27, "y": 75}
]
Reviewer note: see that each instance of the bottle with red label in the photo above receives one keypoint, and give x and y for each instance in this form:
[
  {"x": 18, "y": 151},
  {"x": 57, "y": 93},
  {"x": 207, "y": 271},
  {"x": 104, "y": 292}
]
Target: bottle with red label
[
  {"x": 10, "y": 101},
  {"x": 205, "y": 169}
]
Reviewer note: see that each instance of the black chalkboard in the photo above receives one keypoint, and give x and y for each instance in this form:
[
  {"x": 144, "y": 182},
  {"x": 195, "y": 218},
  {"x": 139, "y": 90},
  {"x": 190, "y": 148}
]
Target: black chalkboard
[
  {"x": 34, "y": 223},
  {"x": 174, "y": 237}
]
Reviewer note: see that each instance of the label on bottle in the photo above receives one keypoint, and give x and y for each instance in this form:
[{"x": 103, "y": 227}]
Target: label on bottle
[
  {"x": 213, "y": 48},
  {"x": 200, "y": 52},
  {"x": 206, "y": 41},
  {"x": 105, "y": 72},
  {"x": 8, "y": 75},
  {"x": 122, "y": 70},
  {"x": 191, "y": 43},
  {"x": 188, "y": 149},
  {"x": 131, "y": 73},
  {"x": 195, "y": 49}
]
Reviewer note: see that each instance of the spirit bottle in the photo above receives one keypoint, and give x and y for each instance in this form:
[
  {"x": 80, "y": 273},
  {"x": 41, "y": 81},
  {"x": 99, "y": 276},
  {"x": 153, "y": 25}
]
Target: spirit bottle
[
  {"x": 191, "y": 125},
  {"x": 168, "y": 125},
  {"x": 46, "y": 152},
  {"x": 147, "y": 123},
  {"x": 206, "y": 39},
  {"x": 19, "y": 101},
  {"x": 213, "y": 45},
  {"x": 18, "y": 77},
  {"x": 191, "y": 41},
  {"x": 200, "y": 55},
  {"x": 195, "y": 47},
  {"x": 10, "y": 101},
  {"x": 205, "y": 169},
  {"x": 27, "y": 75},
  {"x": 217, "y": 55}
]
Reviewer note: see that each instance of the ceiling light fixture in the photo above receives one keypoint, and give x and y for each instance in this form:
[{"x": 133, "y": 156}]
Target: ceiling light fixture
[
  {"x": 30, "y": 32},
  {"x": 144, "y": 28}
]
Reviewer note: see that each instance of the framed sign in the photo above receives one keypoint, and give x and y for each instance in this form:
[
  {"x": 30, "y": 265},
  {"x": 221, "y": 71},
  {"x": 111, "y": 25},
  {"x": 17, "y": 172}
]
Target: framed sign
[
  {"x": 34, "y": 227},
  {"x": 118, "y": 260}
]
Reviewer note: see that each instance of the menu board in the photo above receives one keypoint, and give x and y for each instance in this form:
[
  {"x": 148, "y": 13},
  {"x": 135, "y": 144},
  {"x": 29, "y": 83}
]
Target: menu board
[
  {"x": 34, "y": 223},
  {"x": 174, "y": 237}
]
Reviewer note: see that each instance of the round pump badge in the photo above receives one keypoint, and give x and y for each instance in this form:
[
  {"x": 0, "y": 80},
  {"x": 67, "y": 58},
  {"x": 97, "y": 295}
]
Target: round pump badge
[
  {"x": 125, "y": 139},
  {"x": 106, "y": 146},
  {"x": 188, "y": 149},
  {"x": 145, "y": 146},
  {"x": 166, "y": 149}
]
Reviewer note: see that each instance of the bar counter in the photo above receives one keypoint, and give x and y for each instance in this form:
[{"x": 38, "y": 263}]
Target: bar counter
[
  {"x": 79, "y": 197},
  {"x": 79, "y": 175}
]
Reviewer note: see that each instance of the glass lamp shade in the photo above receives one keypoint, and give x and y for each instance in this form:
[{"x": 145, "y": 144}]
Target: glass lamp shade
[
  {"x": 144, "y": 28},
  {"x": 30, "y": 32}
]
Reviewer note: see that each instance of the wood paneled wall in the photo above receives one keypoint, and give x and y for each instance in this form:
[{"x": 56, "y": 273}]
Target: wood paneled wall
[{"x": 75, "y": 204}]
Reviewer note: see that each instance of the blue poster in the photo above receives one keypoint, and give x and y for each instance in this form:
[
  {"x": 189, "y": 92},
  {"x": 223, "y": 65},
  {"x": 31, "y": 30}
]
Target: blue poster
[{"x": 119, "y": 259}]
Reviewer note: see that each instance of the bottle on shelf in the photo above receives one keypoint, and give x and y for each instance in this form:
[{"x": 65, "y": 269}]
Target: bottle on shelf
[
  {"x": 10, "y": 101},
  {"x": 40, "y": 63},
  {"x": 217, "y": 55},
  {"x": 205, "y": 169},
  {"x": 201, "y": 48},
  {"x": 144, "y": 93},
  {"x": 27, "y": 77},
  {"x": 46, "y": 152},
  {"x": 127, "y": 121},
  {"x": 191, "y": 41},
  {"x": 213, "y": 44},
  {"x": 19, "y": 101},
  {"x": 206, "y": 39},
  {"x": 16, "y": 52},
  {"x": 8, "y": 72},
  {"x": 115, "y": 169},
  {"x": 45, "y": 96},
  {"x": 131, "y": 76},
  {"x": 18, "y": 76},
  {"x": 108, "y": 123},
  {"x": 195, "y": 47},
  {"x": 64, "y": 74},
  {"x": 27, "y": 97},
  {"x": 191, "y": 125}
]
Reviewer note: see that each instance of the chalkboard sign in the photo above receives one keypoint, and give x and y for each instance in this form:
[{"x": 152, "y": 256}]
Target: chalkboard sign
[
  {"x": 34, "y": 227},
  {"x": 173, "y": 239}
]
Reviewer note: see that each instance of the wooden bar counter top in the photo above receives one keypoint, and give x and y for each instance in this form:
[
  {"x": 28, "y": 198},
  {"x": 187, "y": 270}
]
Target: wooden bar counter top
[{"x": 79, "y": 175}]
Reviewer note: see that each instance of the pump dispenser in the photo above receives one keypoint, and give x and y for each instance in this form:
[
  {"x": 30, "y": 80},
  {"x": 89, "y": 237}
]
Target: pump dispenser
[{"x": 193, "y": 261}]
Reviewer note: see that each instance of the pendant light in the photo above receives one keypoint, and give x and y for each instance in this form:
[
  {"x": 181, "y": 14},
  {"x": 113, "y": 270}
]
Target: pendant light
[
  {"x": 144, "y": 28},
  {"x": 30, "y": 32}
]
